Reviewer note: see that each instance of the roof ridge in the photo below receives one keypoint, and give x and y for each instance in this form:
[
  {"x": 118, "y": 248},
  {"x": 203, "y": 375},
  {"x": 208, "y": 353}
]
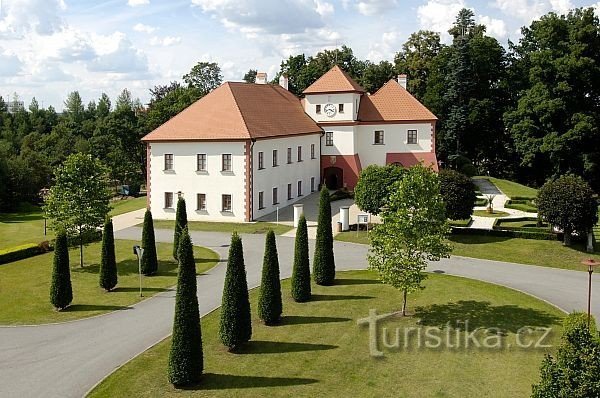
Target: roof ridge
[{"x": 237, "y": 106}]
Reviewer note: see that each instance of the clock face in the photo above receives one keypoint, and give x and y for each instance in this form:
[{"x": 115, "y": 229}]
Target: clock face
[{"x": 330, "y": 110}]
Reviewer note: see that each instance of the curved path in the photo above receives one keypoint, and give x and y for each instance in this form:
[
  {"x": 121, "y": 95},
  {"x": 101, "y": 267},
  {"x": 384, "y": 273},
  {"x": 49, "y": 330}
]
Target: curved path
[{"x": 66, "y": 360}]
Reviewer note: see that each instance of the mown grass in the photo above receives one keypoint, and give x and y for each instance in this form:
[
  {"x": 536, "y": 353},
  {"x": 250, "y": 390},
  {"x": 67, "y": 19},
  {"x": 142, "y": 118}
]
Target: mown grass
[
  {"x": 319, "y": 350},
  {"x": 121, "y": 206},
  {"x": 24, "y": 227},
  {"x": 495, "y": 214},
  {"x": 242, "y": 228},
  {"x": 25, "y": 284},
  {"x": 512, "y": 189}
]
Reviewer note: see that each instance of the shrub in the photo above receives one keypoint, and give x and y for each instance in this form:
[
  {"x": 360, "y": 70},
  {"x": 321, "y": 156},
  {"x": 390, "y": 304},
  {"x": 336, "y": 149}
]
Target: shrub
[
  {"x": 236, "y": 323},
  {"x": 569, "y": 203},
  {"x": 269, "y": 300},
  {"x": 108, "y": 262},
  {"x": 301, "y": 272},
  {"x": 61, "y": 292},
  {"x": 180, "y": 224},
  {"x": 373, "y": 187},
  {"x": 324, "y": 261},
  {"x": 579, "y": 319},
  {"x": 458, "y": 192},
  {"x": 186, "y": 359},
  {"x": 149, "y": 259},
  {"x": 20, "y": 252}
]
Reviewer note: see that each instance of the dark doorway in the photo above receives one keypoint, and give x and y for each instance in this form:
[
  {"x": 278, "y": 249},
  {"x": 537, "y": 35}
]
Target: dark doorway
[{"x": 334, "y": 177}]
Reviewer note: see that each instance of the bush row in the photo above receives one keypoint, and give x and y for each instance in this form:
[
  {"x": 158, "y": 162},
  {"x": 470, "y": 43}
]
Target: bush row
[
  {"x": 507, "y": 233},
  {"x": 23, "y": 251},
  {"x": 499, "y": 225},
  {"x": 521, "y": 204}
]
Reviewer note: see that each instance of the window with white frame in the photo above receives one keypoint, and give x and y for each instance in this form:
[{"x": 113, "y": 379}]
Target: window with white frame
[
  {"x": 226, "y": 162},
  {"x": 261, "y": 160},
  {"x": 201, "y": 202},
  {"x": 201, "y": 162},
  {"x": 168, "y": 200},
  {"x": 226, "y": 203},
  {"x": 261, "y": 200},
  {"x": 168, "y": 161},
  {"x": 378, "y": 137},
  {"x": 411, "y": 137},
  {"x": 329, "y": 138}
]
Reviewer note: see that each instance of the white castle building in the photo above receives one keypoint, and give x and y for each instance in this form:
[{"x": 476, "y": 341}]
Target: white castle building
[{"x": 245, "y": 149}]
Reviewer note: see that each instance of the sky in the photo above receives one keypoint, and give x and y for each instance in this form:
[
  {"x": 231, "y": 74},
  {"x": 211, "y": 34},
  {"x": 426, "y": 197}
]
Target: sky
[{"x": 49, "y": 48}]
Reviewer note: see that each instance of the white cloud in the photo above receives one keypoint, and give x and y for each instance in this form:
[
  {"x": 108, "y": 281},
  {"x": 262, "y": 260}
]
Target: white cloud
[
  {"x": 596, "y": 8},
  {"x": 40, "y": 16},
  {"x": 495, "y": 27},
  {"x": 375, "y": 7},
  {"x": 324, "y": 8},
  {"x": 386, "y": 48},
  {"x": 140, "y": 27},
  {"x": 525, "y": 10},
  {"x": 439, "y": 15},
  {"x": 10, "y": 64},
  {"x": 165, "y": 41},
  {"x": 135, "y": 3},
  {"x": 118, "y": 55},
  {"x": 561, "y": 6}
]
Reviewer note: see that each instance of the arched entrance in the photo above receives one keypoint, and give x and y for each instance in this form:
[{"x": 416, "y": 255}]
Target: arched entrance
[{"x": 334, "y": 177}]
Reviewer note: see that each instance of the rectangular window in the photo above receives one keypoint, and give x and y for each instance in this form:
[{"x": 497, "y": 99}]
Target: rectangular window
[
  {"x": 226, "y": 166},
  {"x": 412, "y": 137},
  {"x": 341, "y": 108},
  {"x": 312, "y": 184},
  {"x": 201, "y": 162},
  {"x": 289, "y": 155},
  {"x": 168, "y": 161},
  {"x": 329, "y": 138},
  {"x": 201, "y": 201},
  {"x": 261, "y": 161},
  {"x": 225, "y": 202},
  {"x": 299, "y": 188},
  {"x": 378, "y": 137},
  {"x": 168, "y": 200},
  {"x": 318, "y": 109},
  {"x": 261, "y": 200},
  {"x": 289, "y": 191},
  {"x": 299, "y": 153},
  {"x": 275, "y": 158},
  {"x": 275, "y": 197},
  {"x": 312, "y": 151}
]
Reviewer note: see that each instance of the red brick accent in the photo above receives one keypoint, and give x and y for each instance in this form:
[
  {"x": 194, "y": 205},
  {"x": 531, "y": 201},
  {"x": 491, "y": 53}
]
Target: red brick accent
[{"x": 350, "y": 165}]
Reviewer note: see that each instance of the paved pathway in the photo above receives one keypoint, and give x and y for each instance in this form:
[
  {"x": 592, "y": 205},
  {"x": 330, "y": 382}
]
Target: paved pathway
[{"x": 66, "y": 360}]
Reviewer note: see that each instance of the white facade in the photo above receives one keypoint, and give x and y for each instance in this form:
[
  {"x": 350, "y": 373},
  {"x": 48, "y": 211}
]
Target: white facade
[
  {"x": 350, "y": 102},
  {"x": 284, "y": 173},
  {"x": 187, "y": 179}
]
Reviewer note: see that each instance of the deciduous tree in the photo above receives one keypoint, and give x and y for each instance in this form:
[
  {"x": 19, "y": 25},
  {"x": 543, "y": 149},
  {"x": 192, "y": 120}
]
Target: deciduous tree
[{"x": 373, "y": 187}]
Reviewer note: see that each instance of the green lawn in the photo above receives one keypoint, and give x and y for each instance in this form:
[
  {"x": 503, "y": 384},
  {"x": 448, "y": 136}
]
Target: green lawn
[
  {"x": 319, "y": 350},
  {"x": 460, "y": 223},
  {"x": 495, "y": 214},
  {"x": 515, "y": 250},
  {"x": 522, "y": 224},
  {"x": 120, "y": 206},
  {"x": 21, "y": 228},
  {"x": 242, "y": 228},
  {"x": 25, "y": 284},
  {"x": 511, "y": 188}
]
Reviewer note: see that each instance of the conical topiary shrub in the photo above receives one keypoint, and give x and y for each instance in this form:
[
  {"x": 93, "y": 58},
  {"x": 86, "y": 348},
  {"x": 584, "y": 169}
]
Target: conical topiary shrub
[
  {"x": 186, "y": 359},
  {"x": 269, "y": 300},
  {"x": 301, "y": 272},
  {"x": 324, "y": 261},
  {"x": 149, "y": 259},
  {"x": 61, "y": 292},
  {"x": 236, "y": 324},
  {"x": 108, "y": 262},
  {"x": 180, "y": 224}
]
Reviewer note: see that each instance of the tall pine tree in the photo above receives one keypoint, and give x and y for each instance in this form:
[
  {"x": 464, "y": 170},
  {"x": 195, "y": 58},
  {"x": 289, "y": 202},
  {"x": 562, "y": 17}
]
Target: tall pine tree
[
  {"x": 186, "y": 359},
  {"x": 301, "y": 272},
  {"x": 61, "y": 292},
  {"x": 108, "y": 262},
  {"x": 324, "y": 261},
  {"x": 149, "y": 259},
  {"x": 236, "y": 323},
  {"x": 180, "y": 224},
  {"x": 269, "y": 301}
]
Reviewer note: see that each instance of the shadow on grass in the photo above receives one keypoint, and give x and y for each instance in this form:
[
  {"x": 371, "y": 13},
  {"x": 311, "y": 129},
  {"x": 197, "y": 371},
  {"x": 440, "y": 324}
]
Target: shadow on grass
[
  {"x": 93, "y": 307},
  {"x": 481, "y": 314},
  {"x": 279, "y": 347},
  {"x": 338, "y": 297},
  {"x": 213, "y": 381},
  {"x": 308, "y": 320},
  {"x": 12, "y": 218},
  {"x": 357, "y": 282},
  {"x": 477, "y": 239},
  {"x": 137, "y": 289}
]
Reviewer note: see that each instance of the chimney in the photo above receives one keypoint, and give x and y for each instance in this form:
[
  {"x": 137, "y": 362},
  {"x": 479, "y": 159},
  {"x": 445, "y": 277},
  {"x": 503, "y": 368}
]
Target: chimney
[
  {"x": 283, "y": 81},
  {"x": 261, "y": 78},
  {"x": 402, "y": 80}
]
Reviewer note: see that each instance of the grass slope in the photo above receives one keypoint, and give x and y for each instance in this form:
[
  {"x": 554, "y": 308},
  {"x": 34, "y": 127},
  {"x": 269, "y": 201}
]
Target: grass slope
[
  {"x": 242, "y": 228},
  {"x": 25, "y": 284},
  {"x": 511, "y": 188},
  {"x": 319, "y": 350},
  {"x": 24, "y": 227}
]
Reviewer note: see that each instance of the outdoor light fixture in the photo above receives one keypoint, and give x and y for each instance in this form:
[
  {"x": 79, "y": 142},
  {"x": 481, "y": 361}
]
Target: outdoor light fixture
[
  {"x": 139, "y": 252},
  {"x": 591, "y": 263}
]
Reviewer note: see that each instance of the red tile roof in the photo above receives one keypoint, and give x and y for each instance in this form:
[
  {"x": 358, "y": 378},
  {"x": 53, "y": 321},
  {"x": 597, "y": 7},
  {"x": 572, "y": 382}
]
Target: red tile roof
[
  {"x": 408, "y": 159},
  {"x": 237, "y": 111},
  {"x": 334, "y": 81},
  {"x": 392, "y": 102}
]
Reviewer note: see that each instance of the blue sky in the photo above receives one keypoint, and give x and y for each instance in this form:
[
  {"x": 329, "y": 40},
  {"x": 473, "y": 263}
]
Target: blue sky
[{"x": 51, "y": 47}]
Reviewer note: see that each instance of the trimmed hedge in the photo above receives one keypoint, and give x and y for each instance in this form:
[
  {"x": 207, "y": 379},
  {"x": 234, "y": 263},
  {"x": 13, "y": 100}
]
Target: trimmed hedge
[
  {"x": 507, "y": 233},
  {"x": 521, "y": 204},
  {"x": 23, "y": 251},
  {"x": 577, "y": 319},
  {"x": 498, "y": 224}
]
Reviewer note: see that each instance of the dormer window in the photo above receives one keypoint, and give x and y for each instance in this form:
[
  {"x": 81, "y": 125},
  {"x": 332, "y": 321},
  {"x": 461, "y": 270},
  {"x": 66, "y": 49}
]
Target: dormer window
[
  {"x": 318, "y": 107},
  {"x": 341, "y": 108}
]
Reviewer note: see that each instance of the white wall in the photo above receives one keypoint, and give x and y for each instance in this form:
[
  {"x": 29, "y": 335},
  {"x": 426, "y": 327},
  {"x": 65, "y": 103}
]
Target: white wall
[
  {"x": 350, "y": 101},
  {"x": 186, "y": 179},
  {"x": 282, "y": 175},
  {"x": 395, "y": 140},
  {"x": 344, "y": 140}
]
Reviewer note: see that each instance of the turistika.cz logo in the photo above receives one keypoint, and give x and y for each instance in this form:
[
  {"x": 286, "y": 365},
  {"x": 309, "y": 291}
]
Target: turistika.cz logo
[{"x": 385, "y": 337}]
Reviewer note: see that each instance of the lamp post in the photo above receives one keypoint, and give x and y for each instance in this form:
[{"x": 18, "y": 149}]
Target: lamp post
[
  {"x": 139, "y": 252},
  {"x": 591, "y": 263}
]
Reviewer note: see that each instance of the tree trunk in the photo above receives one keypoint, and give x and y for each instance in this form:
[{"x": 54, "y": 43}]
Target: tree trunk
[
  {"x": 404, "y": 303},
  {"x": 80, "y": 248},
  {"x": 567, "y": 238}
]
